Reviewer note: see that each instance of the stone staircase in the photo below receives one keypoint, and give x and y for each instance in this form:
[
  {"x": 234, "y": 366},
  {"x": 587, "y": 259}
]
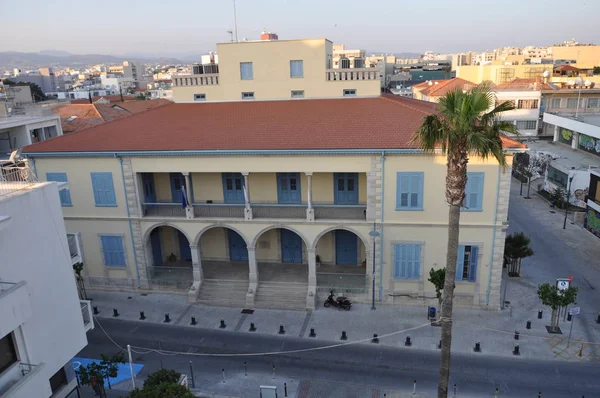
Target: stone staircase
[
  {"x": 223, "y": 293},
  {"x": 281, "y": 296}
]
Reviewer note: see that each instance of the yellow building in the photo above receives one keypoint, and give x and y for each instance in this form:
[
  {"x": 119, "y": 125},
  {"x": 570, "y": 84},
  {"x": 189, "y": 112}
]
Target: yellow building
[
  {"x": 274, "y": 69},
  {"x": 246, "y": 203}
]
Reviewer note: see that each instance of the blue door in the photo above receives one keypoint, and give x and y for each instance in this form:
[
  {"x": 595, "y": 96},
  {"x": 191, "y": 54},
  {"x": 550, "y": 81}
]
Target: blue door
[
  {"x": 288, "y": 188},
  {"x": 157, "y": 257},
  {"x": 233, "y": 191},
  {"x": 184, "y": 247},
  {"x": 346, "y": 248},
  {"x": 237, "y": 246},
  {"x": 149, "y": 188},
  {"x": 177, "y": 183},
  {"x": 291, "y": 247},
  {"x": 345, "y": 188}
]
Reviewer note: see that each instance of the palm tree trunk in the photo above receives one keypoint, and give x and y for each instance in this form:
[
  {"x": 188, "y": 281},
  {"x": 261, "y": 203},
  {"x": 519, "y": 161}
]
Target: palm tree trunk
[{"x": 446, "y": 316}]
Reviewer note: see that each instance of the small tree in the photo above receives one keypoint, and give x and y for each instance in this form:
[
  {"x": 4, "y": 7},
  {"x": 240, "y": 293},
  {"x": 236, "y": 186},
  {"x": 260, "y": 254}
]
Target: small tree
[
  {"x": 162, "y": 384},
  {"x": 521, "y": 162},
  {"x": 437, "y": 277},
  {"x": 557, "y": 197},
  {"x": 96, "y": 373},
  {"x": 516, "y": 248},
  {"x": 78, "y": 267},
  {"x": 596, "y": 70},
  {"x": 555, "y": 299}
]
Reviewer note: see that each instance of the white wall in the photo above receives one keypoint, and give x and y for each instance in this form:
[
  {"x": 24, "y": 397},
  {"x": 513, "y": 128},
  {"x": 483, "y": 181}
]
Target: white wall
[{"x": 35, "y": 249}]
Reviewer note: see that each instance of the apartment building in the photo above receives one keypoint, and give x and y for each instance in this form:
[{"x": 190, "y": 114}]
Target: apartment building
[
  {"x": 271, "y": 203},
  {"x": 24, "y": 125},
  {"x": 43, "y": 323},
  {"x": 274, "y": 69},
  {"x": 433, "y": 90}
]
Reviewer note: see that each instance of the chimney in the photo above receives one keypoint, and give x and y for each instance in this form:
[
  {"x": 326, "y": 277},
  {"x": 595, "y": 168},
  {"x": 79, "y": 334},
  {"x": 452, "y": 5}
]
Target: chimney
[{"x": 264, "y": 35}]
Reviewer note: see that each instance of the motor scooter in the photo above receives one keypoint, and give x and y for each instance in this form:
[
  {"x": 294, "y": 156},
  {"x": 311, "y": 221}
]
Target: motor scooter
[{"x": 340, "y": 302}]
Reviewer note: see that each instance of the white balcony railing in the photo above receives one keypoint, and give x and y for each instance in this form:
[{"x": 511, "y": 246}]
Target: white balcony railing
[
  {"x": 352, "y": 74},
  {"x": 211, "y": 79},
  {"x": 15, "y": 178}
]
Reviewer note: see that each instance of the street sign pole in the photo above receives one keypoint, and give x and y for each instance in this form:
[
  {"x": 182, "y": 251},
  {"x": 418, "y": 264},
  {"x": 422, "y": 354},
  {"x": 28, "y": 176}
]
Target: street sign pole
[{"x": 570, "y": 330}]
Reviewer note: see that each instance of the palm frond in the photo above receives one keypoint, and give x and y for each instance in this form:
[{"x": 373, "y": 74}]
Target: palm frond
[{"x": 431, "y": 135}]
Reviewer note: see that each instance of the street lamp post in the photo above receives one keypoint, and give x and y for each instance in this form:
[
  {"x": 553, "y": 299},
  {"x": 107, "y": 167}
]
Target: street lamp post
[
  {"x": 374, "y": 234},
  {"x": 567, "y": 204}
]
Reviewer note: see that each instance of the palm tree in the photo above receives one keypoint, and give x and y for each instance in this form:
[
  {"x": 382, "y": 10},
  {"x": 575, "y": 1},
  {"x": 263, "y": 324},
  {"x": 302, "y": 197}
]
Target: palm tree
[{"x": 464, "y": 126}]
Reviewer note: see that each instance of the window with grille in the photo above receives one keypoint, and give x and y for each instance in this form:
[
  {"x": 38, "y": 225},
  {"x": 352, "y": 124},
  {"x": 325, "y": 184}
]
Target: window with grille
[
  {"x": 248, "y": 95},
  {"x": 297, "y": 93},
  {"x": 350, "y": 93},
  {"x": 555, "y": 103},
  {"x": 593, "y": 102},
  {"x": 199, "y": 97},
  {"x": 526, "y": 124},
  {"x": 527, "y": 104},
  {"x": 572, "y": 103}
]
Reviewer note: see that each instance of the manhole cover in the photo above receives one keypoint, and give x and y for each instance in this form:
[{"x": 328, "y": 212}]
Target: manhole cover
[
  {"x": 129, "y": 298},
  {"x": 247, "y": 311},
  {"x": 144, "y": 294},
  {"x": 552, "y": 211}
]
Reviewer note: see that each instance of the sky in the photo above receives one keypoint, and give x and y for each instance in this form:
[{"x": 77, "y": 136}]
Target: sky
[{"x": 194, "y": 26}]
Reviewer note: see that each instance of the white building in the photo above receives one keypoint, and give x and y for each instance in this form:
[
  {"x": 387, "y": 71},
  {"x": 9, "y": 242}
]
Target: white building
[
  {"x": 22, "y": 126},
  {"x": 43, "y": 323},
  {"x": 526, "y": 96}
]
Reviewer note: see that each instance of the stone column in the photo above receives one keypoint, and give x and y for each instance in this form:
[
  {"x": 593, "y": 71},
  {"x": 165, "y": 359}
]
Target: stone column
[
  {"x": 310, "y": 212},
  {"x": 189, "y": 210},
  {"x": 197, "y": 274},
  {"x": 556, "y": 132},
  {"x": 311, "y": 294},
  {"x": 247, "y": 207},
  {"x": 253, "y": 273},
  {"x": 575, "y": 141}
]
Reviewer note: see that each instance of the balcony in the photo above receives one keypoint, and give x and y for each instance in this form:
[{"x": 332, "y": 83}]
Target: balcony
[
  {"x": 74, "y": 248},
  {"x": 211, "y": 79},
  {"x": 86, "y": 313},
  {"x": 21, "y": 380},
  {"x": 15, "y": 307},
  {"x": 352, "y": 74}
]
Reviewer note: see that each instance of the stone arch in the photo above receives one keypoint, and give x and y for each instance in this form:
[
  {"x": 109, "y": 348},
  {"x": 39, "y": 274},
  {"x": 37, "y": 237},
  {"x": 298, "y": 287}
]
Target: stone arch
[
  {"x": 278, "y": 226},
  {"x": 164, "y": 224},
  {"x": 218, "y": 225},
  {"x": 327, "y": 230}
]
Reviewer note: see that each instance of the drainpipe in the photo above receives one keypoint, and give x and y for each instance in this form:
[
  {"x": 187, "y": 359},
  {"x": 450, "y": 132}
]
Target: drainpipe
[
  {"x": 487, "y": 296},
  {"x": 137, "y": 270},
  {"x": 381, "y": 227}
]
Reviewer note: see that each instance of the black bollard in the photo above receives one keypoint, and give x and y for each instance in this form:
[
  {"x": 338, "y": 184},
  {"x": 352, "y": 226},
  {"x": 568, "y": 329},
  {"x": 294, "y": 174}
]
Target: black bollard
[
  {"x": 516, "y": 351},
  {"x": 569, "y": 317},
  {"x": 96, "y": 312},
  {"x": 440, "y": 345},
  {"x": 115, "y": 312},
  {"x": 142, "y": 316},
  {"x": 540, "y": 313},
  {"x": 598, "y": 319},
  {"x": 193, "y": 322},
  {"x": 312, "y": 333},
  {"x": 516, "y": 335},
  {"x": 167, "y": 318},
  {"x": 285, "y": 389},
  {"x": 222, "y": 325},
  {"x": 477, "y": 347},
  {"x": 528, "y": 325},
  {"x": 375, "y": 338},
  {"x": 407, "y": 343},
  {"x": 344, "y": 336},
  {"x": 252, "y": 327},
  {"x": 281, "y": 329}
]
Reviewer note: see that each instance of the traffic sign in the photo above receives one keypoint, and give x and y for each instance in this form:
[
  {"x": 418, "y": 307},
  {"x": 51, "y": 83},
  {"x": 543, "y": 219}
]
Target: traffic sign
[{"x": 575, "y": 310}]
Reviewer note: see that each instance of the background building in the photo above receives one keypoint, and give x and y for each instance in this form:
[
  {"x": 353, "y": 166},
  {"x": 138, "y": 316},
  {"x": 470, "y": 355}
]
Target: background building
[{"x": 43, "y": 321}]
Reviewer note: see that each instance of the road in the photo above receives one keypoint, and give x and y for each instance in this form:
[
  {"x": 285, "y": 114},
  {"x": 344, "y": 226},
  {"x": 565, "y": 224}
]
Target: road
[{"x": 355, "y": 365}]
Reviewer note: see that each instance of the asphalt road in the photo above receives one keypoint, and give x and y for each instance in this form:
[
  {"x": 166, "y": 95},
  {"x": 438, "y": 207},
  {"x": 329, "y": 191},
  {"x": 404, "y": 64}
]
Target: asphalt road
[{"x": 358, "y": 364}]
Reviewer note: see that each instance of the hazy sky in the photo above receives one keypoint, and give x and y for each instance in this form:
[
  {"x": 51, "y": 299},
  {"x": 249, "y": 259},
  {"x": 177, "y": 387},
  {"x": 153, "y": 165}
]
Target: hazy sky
[{"x": 194, "y": 26}]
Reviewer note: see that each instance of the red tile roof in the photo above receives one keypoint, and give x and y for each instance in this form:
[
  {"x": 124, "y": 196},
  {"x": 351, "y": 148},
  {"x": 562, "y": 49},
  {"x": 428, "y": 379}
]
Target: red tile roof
[
  {"x": 523, "y": 84},
  {"x": 384, "y": 122},
  {"x": 439, "y": 88}
]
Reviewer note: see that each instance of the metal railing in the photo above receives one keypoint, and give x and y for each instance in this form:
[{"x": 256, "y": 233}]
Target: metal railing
[
  {"x": 219, "y": 210},
  {"x": 15, "y": 178},
  {"x": 211, "y": 79},
  {"x": 163, "y": 210},
  {"x": 352, "y": 74},
  {"x": 340, "y": 212},
  {"x": 6, "y": 285},
  {"x": 279, "y": 211},
  {"x": 26, "y": 368}
]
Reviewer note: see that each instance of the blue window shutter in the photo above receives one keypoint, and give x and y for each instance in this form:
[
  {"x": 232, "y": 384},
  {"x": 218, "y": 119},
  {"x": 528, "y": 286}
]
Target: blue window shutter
[
  {"x": 460, "y": 260},
  {"x": 473, "y": 264},
  {"x": 407, "y": 261},
  {"x": 114, "y": 251},
  {"x": 397, "y": 260},
  {"x": 417, "y": 261},
  {"x": 64, "y": 194},
  {"x": 104, "y": 190},
  {"x": 409, "y": 191},
  {"x": 474, "y": 192}
]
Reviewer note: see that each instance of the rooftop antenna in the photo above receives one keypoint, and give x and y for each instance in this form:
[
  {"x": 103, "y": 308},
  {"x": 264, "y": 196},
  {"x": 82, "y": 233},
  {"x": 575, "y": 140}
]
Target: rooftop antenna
[
  {"x": 230, "y": 35},
  {"x": 235, "y": 22}
]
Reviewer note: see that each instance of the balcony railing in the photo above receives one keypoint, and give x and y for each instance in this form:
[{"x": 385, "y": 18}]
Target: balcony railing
[
  {"x": 333, "y": 212},
  {"x": 279, "y": 211},
  {"x": 211, "y": 79},
  {"x": 352, "y": 74},
  {"x": 163, "y": 210},
  {"x": 15, "y": 178},
  {"x": 219, "y": 210},
  {"x": 19, "y": 381}
]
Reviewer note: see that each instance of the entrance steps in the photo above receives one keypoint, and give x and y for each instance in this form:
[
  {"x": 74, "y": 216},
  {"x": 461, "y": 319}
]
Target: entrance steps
[
  {"x": 281, "y": 296},
  {"x": 223, "y": 293}
]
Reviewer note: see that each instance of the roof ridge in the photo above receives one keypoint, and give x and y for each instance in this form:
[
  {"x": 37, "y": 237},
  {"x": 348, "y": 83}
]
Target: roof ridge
[
  {"x": 401, "y": 103},
  {"x": 97, "y": 112}
]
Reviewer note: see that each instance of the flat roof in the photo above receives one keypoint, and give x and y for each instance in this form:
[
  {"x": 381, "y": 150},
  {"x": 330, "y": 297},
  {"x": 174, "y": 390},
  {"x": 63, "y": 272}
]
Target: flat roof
[{"x": 566, "y": 157}]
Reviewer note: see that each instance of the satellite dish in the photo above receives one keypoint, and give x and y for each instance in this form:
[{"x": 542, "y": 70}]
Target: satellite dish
[
  {"x": 587, "y": 83},
  {"x": 579, "y": 81},
  {"x": 546, "y": 73}
]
